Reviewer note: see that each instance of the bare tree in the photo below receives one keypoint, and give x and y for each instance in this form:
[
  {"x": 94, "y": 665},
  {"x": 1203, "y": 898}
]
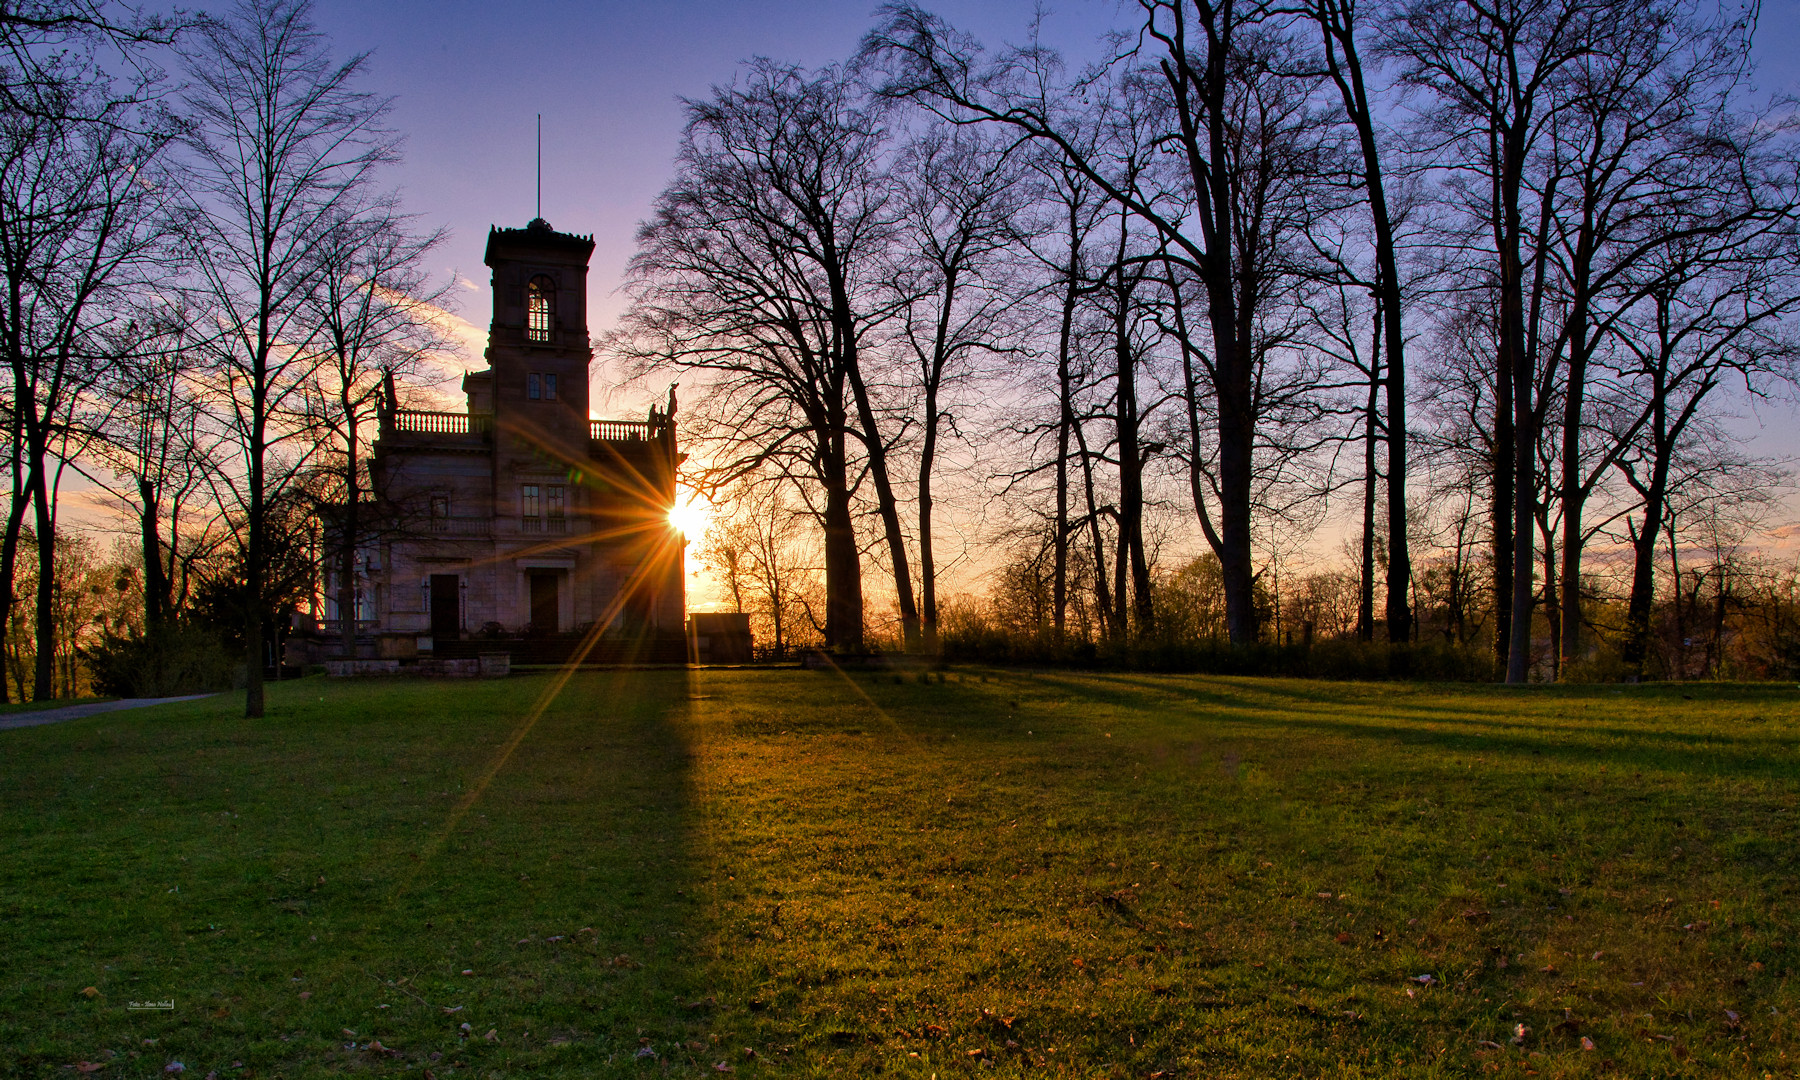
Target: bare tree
[
  {"x": 79, "y": 229},
  {"x": 153, "y": 451},
  {"x": 1499, "y": 74},
  {"x": 1337, "y": 22},
  {"x": 762, "y": 269},
  {"x": 376, "y": 314},
  {"x": 959, "y": 208},
  {"x": 1211, "y": 84},
  {"x": 1713, "y": 315},
  {"x": 281, "y": 146}
]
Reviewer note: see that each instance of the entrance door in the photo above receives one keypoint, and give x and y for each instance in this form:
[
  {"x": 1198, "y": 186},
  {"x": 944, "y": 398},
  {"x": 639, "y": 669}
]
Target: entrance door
[
  {"x": 446, "y": 607},
  {"x": 543, "y": 603}
]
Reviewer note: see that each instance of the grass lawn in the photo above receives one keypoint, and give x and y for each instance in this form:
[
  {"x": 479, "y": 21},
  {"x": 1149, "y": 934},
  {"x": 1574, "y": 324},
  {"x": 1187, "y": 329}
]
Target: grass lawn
[{"x": 798, "y": 874}]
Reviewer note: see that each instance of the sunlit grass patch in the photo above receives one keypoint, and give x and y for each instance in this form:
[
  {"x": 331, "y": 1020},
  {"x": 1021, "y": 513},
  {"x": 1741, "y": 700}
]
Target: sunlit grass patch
[{"x": 799, "y": 873}]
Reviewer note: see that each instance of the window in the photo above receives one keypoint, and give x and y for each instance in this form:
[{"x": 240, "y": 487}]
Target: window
[
  {"x": 540, "y": 308},
  {"x": 529, "y": 506},
  {"x": 549, "y": 386},
  {"x": 553, "y": 501},
  {"x": 440, "y": 513},
  {"x": 533, "y": 386}
]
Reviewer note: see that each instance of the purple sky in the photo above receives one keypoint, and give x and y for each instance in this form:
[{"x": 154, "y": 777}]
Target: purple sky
[{"x": 470, "y": 77}]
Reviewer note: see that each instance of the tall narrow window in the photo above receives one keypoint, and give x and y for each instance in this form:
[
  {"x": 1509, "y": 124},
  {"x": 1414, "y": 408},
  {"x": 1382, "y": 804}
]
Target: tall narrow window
[
  {"x": 533, "y": 387},
  {"x": 553, "y": 501},
  {"x": 540, "y": 308},
  {"x": 529, "y": 506},
  {"x": 549, "y": 386}
]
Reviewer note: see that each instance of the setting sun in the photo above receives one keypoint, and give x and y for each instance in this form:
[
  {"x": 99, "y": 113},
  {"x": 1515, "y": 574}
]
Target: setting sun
[{"x": 690, "y": 514}]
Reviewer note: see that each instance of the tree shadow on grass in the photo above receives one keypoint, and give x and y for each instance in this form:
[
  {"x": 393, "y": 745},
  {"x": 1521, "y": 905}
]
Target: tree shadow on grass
[
  {"x": 1445, "y": 726},
  {"x": 372, "y": 880}
]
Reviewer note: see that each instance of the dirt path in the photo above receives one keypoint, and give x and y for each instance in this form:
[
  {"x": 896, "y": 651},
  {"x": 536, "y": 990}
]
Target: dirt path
[{"x": 76, "y": 712}]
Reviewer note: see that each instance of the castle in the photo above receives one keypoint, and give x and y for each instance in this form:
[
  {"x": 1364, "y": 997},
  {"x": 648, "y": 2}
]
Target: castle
[{"x": 521, "y": 524}]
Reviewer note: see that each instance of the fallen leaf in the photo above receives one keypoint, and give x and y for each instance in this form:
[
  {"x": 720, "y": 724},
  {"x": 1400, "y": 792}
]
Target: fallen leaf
[
  {"x": 453, "y": 1009},
  {"x": 1587, "y": 1043},
  {"x": 468, "y": 971},
  {"x": 1520, "y": 1031},
  {"x": 1345, "y": 938},
  {"x": 1424, "y": 980},
  {"x": 304, "y": 994},
  {"x": 89, "y": 1066},
  {"x": 1731, "y": 1018},
  {"x": 174, "y": 1067},
  {"x": 492, "y": 1035},
  {"x": 723, "y": 1067},
  {"x": 91, "y": 991}
]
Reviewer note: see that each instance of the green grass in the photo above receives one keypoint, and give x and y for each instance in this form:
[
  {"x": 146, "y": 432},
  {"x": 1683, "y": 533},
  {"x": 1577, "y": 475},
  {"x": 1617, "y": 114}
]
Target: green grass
[{"x": 1002, "y": 874}]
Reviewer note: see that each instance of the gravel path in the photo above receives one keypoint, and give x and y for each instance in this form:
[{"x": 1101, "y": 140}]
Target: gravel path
[{"x": 75, "y": 712}]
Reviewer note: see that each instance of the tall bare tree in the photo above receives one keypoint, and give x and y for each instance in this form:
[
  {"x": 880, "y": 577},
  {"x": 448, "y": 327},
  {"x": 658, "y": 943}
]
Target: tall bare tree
[
  {"x": 762, "y": 268},
  {"x": 377, "y": 315},
  {"x": 1213, "y": 82},
  {"x": 282, "y": 144},
  {"x": 959, "y": 205},
  {"x": 80, "y": 228},
  {"x": 1499, "y": 73}
]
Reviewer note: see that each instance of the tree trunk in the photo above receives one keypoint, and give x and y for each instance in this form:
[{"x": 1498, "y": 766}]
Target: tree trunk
[
  {"x": 1102, "y": 594},
  {"x": 927, "y": 564},
  {"x": 1516, "y": 359},
  {"x": 843, "y": 570},
  {"x": 1573, "y": 492},
  {"x": 349, "y": 525},
  {"x": 1131, "y": 470},
  {"x": 1065, "y": 423},
  {"x": 1365, "y": 593},
  {"x": 156, "y": 580},
  {"x": 9, "y": 562},
  {"x": 44, "y": 670},
  {"x": 1365, "y": 606}
]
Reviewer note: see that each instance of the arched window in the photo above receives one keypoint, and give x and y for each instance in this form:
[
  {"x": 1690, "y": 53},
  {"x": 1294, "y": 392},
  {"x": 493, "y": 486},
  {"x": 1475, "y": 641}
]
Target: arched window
[{"x": 540, "y": 308}]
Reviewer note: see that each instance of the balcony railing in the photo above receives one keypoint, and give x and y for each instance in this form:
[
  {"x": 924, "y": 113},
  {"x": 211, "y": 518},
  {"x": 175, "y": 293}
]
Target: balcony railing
[
  {"x": 623, "y": 430},
  {"x": 461, "y": 526},
  {"x": 556, "y": 525},
  {"x": 423, "y": 422}
]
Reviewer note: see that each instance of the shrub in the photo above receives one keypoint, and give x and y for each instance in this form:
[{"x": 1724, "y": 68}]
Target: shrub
[
  {"x": 176, "y": 659},
  {"x": 1337, "y": 659}
]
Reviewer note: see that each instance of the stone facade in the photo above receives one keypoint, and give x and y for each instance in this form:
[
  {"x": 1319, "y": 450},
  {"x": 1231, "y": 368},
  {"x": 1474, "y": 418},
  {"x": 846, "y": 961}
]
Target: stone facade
[{"x": 522, "y": 518}]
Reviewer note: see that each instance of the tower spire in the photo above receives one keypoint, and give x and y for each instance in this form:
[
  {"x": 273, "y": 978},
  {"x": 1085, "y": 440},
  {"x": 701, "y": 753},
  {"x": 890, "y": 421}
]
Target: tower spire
[{"x": 540, "y": 166}]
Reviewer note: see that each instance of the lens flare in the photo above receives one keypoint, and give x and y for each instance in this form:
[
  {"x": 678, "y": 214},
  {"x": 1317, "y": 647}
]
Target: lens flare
[{"x": 690, "y": 514}]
